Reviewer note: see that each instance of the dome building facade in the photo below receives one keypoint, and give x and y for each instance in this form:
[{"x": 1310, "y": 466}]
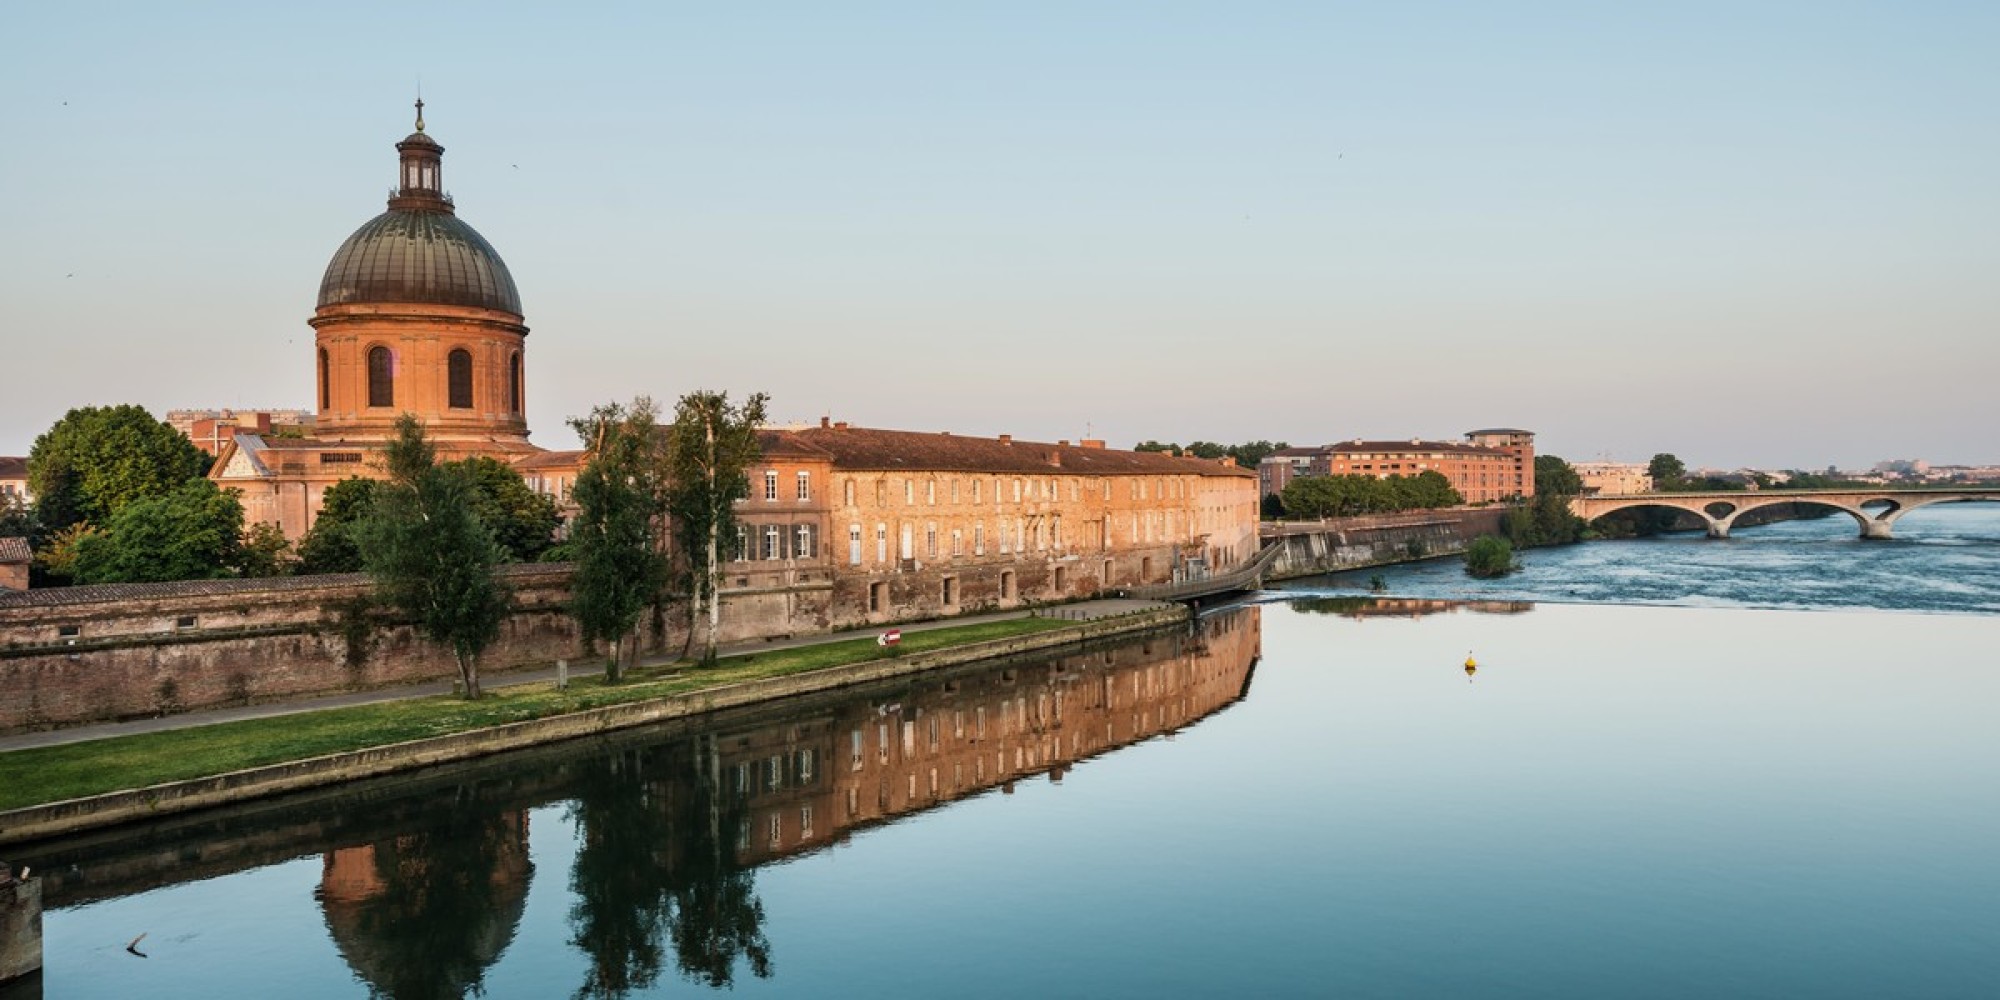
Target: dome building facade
[{"x": 418, "y": 314}]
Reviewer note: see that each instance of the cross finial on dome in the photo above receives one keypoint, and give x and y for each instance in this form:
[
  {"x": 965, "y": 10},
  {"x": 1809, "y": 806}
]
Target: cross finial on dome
[{"x": 420, "y": 112}]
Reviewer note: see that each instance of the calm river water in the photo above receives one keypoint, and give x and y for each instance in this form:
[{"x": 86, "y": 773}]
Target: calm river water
[{"x": 1785, "y": 789}]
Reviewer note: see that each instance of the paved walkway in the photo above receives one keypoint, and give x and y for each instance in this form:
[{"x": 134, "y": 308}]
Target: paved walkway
[{"x": 1084, "y": 611}]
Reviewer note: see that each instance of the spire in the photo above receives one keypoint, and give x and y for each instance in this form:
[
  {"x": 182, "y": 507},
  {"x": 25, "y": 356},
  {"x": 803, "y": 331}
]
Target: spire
[{"x": 420, "y": 111}]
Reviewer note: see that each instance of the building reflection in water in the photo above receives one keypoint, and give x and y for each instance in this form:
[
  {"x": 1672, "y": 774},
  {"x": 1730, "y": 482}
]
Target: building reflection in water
[
  {"x": 1404, "y": 607},
  {"x": 424, "y": 878},
  {"x": 422, "y": 915}
]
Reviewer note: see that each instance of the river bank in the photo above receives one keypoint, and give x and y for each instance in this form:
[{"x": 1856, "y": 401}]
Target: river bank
[{"x": 697, "y": 694}]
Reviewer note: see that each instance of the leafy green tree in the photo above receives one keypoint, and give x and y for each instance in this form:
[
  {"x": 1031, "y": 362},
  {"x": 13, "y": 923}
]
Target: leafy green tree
[
  {"x": 522, "y": 521},
  {"x": 97, "y": 459},
  {"x": 1489, "y": 556},
  {"x": 1207, "y": 449},
  {"x": 194, "y": 532},
  {"x": 1553, "y": 475},
  {"x": 615, "y": 539},
  {"x": 1545, "y": 519},
  {"x": 1250, "y": 453},
  {"x": 1427, "y": 490},
  {"x": 265, "y": 551},
  {"x": 431, "y": 556},
  {"x": 1666, "y": 470},
  {"x": 1158, "y": 446},
  {"x": 710, "y": 446},
  {"x": 328, "y": 546},
  {"x": 18, "y": 520}
]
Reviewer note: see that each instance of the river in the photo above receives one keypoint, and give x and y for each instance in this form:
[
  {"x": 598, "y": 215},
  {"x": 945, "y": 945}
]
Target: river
[{"x": 1674, "y": 771}]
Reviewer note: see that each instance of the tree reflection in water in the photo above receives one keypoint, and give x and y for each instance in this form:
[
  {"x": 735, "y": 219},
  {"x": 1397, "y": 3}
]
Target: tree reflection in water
[{"x": 653, "y": 862}]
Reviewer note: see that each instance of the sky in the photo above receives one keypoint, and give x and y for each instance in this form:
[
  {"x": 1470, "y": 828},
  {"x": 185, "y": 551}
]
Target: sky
[{"x": 1746, "y": 233}]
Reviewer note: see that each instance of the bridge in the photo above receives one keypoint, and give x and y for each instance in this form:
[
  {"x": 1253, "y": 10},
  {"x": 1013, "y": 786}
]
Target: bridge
[{"x": 1876, "y": 510}]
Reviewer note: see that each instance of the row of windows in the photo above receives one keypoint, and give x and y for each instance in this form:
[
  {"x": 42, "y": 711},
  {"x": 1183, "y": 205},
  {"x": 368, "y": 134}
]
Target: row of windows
[
  {"x": 458, "y": 379},
  {"x": 772, "y": 542}
]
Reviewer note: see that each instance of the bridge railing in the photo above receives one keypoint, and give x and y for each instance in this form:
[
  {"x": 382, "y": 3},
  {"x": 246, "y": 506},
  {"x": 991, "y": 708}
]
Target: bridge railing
[{"x": 1250, "y": 577}]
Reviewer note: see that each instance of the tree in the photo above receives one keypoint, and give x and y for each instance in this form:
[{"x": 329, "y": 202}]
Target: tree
[
  {"x": 1427, "y": 490},
  {"x": 1489, "y": 556},
  {"x": 98, "y": 459},
  {"x": 192, "y": 533},
  {"x": 328, "y": 546},
  {"x": 523, "y": 522},
  {"x": 1251, "y": 453},
  {"x": 709, "y": 449},
  {"x": 1545, "y": 519},
  {"x": 1207, "y": 449},
  {"x": 1553, "y": 475},
  {"x": 1158, "y": 446},
  {"x": 431, "y": 557},
  {"x": 264, "y": 551},
  {"x": 1666, "y": 471},
  {"x": 621, "y": 565}
]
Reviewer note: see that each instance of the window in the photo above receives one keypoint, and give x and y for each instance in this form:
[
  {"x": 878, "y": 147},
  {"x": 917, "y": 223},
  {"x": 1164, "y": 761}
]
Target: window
[
  {"x": 774, "y": 542},
  {"x": 930, "y": 540},
  {"x": 743, "y": 543},
  {"x": 848, "y": 492},
  {"x": 878, "y": 601},
  {"x": 930, "y": 492},
  {"x": 954, "y": 491},
  {"x": 881, "y": 493},
  {"x": 458, "y": 378},
  {"x": 854, "y": 750},
  {"x": 184, "y": 621},
  {"x": 802, "y": 542},
  {"x": 975, "y": 491},
  {"x": 979, "y": 539},
  {"x": 770, "y": 484},
  {"x": 957, "y": 542},
  {"x": 1057, "y": 530},
  {"x": 1017, "y": 491},
  {"x": 381, "y": 377},
  {"x": 805, "y": 485},
  {"x": 909, "y": 550},
  {"x": 854, "y": 545},
  {"x": 514, "y": 382},
  {"x": 950, "y": 595},
  {"x": 325, "y": 383},
  {"x": 909, "y": 492},
  {"x": 881, "y": 542}
]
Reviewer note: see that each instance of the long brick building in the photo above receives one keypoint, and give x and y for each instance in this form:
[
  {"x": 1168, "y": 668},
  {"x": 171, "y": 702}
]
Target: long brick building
[
  {"x": 418, "y": 314},
  {"x": 1487, "y": 466}
]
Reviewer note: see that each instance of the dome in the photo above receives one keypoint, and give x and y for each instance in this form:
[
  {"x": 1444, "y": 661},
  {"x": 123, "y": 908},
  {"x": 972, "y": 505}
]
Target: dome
[{"x": 417, "y": 256}]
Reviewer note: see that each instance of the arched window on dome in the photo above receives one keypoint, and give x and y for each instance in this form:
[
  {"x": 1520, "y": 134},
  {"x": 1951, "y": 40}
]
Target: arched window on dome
[
  {"x": 514, "y": 382},
  {"x": 381, "y": 377},
  {"x": 458, "y": 375},
  {"x": 325, "y": 386}
]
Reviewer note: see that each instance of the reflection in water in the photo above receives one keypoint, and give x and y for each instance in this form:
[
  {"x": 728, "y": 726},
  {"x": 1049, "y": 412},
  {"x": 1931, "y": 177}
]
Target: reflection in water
[
  {"x": 422, "y": 914},
  {"x": 1404, "y": 607},
  {"x": 425, "y": 877}
]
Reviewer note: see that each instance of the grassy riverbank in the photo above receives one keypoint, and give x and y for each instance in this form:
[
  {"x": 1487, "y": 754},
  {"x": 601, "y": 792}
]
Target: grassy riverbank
[{"x": 53, "y": 774}]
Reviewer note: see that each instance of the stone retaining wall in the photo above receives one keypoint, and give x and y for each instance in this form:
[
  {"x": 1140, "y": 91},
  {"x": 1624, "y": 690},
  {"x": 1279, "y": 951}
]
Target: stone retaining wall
[
  {"x": 60, "y": 818},
  {"x": 1338, "y": 544}
]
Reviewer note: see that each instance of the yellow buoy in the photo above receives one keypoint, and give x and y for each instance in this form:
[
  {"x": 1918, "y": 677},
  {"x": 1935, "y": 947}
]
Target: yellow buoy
[{"x": 1471, "y": 666}]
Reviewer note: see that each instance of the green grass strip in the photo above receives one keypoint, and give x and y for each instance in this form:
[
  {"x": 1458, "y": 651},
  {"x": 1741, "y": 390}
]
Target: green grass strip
[{"x": 52, "y": 774}]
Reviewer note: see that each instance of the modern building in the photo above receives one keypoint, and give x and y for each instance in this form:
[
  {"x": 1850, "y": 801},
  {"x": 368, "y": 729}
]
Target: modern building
[
  {"x": 1614, "y": 477},
  {"x": 1487, "y": 466}
]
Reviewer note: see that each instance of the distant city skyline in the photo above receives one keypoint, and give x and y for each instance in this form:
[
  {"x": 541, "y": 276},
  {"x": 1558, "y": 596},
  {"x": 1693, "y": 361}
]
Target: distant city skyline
[{"x": 1747, "y": 235}]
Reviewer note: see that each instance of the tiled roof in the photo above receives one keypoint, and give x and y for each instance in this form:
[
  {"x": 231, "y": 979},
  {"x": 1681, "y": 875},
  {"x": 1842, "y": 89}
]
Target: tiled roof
[
  {"x": 105, "y": 593},
  {"x": 551, "y": 460},
  {"x": 1406, "y": 447},
  {"x": 13, "y": 468},
  {"x": 14, "y": 550},
  {"x": 864, "y": 448}
]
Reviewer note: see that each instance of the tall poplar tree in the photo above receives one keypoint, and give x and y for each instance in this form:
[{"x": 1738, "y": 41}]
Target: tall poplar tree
[
  {"x": 617, "y": 535},
  {"x": 431, "y": 558},
  {"x": 710, "y": 447}
]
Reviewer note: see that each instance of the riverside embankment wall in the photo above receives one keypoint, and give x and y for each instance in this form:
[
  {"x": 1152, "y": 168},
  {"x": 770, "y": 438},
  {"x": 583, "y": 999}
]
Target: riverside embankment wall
[
  {"x": 76, "y": 655},
  {"x": 60, "y": 818},
  {"x": 1336, "y": 544}
]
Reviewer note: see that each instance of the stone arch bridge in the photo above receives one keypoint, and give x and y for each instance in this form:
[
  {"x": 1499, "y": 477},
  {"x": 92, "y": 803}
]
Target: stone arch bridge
[{"x": 1876, "y": 510}]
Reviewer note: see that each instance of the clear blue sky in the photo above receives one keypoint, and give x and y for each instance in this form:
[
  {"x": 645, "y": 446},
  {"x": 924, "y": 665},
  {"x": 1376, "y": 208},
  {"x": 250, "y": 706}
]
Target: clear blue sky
[{"x": 1745, "y": 233}]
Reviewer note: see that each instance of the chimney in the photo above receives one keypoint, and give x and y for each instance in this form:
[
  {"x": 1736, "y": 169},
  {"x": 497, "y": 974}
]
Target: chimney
[
  {"x": 1007, "y": 439},
  {"x": 825, "y": 422},
  {"x": 840, "y": 425},
  {"x": 1097, "y": 443},
  {"x": 1064, "y": 443}
]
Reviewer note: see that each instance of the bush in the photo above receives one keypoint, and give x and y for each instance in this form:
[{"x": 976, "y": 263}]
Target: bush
[{"x": 1489, "y": 556}]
